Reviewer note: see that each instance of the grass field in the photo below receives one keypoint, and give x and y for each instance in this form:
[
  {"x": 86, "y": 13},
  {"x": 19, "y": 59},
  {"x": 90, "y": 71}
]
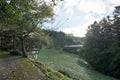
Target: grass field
[{"x": 70, "y": 64}]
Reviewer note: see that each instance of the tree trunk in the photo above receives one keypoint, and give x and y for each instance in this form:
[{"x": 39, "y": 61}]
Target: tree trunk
[
  {"x": 14, "y": 42},
  {"x": 0, "y": 41},
  {"x": 23, "y": 49}
]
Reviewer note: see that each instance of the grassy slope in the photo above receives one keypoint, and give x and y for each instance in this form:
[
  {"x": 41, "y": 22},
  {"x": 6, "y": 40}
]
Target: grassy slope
[
  {"x": 70, "y": 64},
  {"x": 25, "y": 69}
]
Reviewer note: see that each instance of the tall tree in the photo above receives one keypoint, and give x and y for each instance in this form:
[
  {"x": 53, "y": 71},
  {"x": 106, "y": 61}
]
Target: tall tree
[
  {"x": 102, "y": 45},
  {"x": 24, "y": 16}
]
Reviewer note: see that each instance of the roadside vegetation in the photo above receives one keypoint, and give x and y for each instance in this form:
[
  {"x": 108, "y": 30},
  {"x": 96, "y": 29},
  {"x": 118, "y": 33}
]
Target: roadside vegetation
[{"x": 102, "y": 45}]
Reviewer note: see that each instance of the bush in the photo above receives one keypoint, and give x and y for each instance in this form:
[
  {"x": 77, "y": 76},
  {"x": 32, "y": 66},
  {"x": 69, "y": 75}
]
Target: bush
[
  {"x": 59, "y": 75},
  {"x": 3, "y": 49},
  {"x": 15, "y": 52}
]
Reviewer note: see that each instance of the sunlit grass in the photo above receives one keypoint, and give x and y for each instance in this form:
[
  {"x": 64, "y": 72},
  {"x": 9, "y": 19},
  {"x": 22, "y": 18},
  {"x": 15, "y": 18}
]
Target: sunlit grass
[{"x": 4, "y": 55}]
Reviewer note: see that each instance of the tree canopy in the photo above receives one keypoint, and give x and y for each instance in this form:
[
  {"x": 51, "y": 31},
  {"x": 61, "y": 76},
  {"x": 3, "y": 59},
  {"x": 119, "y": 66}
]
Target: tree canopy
[
  {"x": 102, "y": 45},
  {"x": 24, "y": 16}
]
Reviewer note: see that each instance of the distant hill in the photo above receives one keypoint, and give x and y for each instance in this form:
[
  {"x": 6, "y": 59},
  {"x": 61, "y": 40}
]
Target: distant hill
[{"x": 60, "y": 39}]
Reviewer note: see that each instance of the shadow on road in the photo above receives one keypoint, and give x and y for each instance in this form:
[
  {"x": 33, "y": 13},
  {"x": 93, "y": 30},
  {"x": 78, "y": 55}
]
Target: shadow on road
[{"x": 4, "y": 56}]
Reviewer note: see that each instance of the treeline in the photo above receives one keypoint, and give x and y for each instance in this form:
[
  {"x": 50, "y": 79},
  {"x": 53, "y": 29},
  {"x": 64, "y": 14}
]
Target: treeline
[
  {"x": 60, "y": 39},
  {"x": 102, "y": 45}
]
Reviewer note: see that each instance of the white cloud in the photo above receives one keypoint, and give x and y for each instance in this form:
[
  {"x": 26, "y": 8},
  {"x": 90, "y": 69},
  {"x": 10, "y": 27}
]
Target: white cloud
[
  {"x": 68, "y": 6},
  {"x": 81, "y": 30},
  {"x": 70, "y": 3},
  {"x": 95, "y": 6},
  {"x": 76, "y": 31},
  {"x": 49, "y": 1},
  {"x": 69, "y": 11},
  {"x": 91, "y": 18},
  {"x": 114, "y": 2}
]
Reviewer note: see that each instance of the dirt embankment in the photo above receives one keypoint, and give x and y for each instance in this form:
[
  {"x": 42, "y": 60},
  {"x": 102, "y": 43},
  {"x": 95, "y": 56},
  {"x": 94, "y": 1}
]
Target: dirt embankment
[{"x": 17, "y": 68}]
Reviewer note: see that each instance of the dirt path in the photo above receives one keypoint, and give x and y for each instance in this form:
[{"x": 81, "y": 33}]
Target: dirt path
[{"x": 7, "y": 66}]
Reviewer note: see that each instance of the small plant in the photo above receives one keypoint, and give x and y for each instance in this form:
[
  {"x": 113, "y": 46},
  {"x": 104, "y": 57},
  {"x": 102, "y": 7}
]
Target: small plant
[
  {"x": 52, "y": 76},
  {"x": 60, "y": 75},
  {"x": 15, "y": 52},
  {"x": 49, "y": 69}
]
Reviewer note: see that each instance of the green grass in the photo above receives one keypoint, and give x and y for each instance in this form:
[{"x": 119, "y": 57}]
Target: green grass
[
  {"x": 3, "y": 52},
  {"x": 25, "y": 70},
  {"x": 70, "y": 64},
  {"x": 4, "y": 55},
  {"x": 51, "y": 73}
]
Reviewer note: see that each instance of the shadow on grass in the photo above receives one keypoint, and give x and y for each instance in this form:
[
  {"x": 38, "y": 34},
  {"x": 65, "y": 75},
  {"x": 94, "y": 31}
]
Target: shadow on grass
[{"x": 4, "y": 56}]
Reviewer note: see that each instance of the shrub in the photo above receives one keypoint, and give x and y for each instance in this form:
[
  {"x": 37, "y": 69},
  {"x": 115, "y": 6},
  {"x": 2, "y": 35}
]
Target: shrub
[{"x": 15, "y": 52}]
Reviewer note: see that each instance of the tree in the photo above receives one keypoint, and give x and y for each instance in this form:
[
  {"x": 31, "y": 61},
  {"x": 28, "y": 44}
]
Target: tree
[
  {"x": 24, "y": 16},
  {"x": 102, "y": 45},
  {"x": 36, "y": 41},
  {"x": 60, "y": 39}
]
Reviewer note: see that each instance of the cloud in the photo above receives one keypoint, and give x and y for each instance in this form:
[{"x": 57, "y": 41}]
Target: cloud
[
  {"x": 89, "y": 10},
  {"x": 68, "y": 6},
  {"x": 78, "y": 31},
  {"x": 114, "y": 2},
  {"x": 70, "y": 3},
  {"x": 95, "y": 6},
  {"x": 69, "y": 11},
  {"x": 90, "y": 18},
  {"x": 81, "y": 30}
]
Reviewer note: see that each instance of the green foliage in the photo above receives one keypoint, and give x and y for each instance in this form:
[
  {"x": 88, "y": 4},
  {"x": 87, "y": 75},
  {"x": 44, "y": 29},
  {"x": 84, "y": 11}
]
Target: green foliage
[
  {"x": 60, "y": 39},
  {"x": 75, "y": 50},
  {"x": 117, "y": 7},
  {"x": 50, "y": 72},
  {"x": 4, "y": 54},
  {"x": 102, "y": 45},
  {"x": 23, "y": 17},
  {"x": 55, "y": 75}
]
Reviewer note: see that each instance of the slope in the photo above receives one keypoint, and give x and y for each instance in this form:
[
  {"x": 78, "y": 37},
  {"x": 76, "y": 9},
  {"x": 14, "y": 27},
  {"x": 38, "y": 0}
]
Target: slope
[
  {"x": 17, "y": 68},
  {"x": 70, "y": 64}
]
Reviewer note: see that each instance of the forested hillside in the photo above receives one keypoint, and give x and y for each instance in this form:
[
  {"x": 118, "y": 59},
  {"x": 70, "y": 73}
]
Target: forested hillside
[{"x": 60, "y": 39}]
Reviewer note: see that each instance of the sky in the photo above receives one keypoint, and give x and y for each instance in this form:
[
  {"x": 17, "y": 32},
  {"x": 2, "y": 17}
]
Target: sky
[{"x": 74, "y": 16}]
